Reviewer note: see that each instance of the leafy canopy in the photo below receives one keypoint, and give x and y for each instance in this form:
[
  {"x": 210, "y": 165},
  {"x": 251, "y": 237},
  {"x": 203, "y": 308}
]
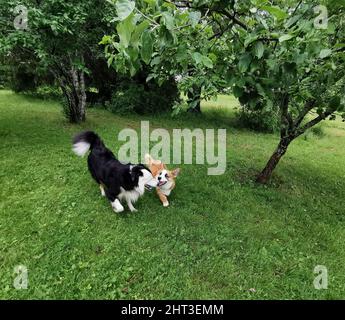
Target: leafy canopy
[{"x": 261, "y": 50}]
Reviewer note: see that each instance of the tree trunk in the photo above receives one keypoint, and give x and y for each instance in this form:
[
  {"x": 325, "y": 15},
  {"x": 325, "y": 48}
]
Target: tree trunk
[
  {"x": 79, "y": 96},
  {"x": 266, "y": 174},
  {"x": 72, "y": 84}
]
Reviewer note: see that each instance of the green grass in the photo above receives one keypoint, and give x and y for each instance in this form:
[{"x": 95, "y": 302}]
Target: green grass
[{"x": 222, "y": 235}]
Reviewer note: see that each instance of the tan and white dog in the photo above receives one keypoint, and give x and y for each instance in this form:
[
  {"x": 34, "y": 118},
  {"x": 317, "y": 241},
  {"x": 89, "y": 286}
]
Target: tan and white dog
[{"x": 165, "y": 178}]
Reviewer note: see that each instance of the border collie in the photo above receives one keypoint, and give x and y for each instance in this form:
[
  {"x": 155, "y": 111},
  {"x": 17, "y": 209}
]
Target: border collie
[{"x": 116, "y": 180}]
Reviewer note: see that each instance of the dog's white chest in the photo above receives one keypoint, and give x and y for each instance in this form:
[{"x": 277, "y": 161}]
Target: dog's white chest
[
  {"x": 166, "y": 192},
  {"x": 166, "y": 189},
  {"x": 132, "y": 195}
]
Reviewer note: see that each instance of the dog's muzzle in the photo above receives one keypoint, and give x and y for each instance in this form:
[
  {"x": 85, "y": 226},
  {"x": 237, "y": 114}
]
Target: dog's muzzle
[{"x": 161, "y": 183}]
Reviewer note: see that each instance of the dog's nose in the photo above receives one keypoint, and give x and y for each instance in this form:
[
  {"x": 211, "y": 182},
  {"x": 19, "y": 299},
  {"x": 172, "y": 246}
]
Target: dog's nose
[{"x": 159, "y": 178}]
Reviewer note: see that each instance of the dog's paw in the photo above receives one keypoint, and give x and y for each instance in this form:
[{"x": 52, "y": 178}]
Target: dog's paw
[
  {"x": 133, "y": 210},
  {"x": 166, "y": 204},
  {"x": 118, "y": 210},
  {"x": 117, "y": 206}
]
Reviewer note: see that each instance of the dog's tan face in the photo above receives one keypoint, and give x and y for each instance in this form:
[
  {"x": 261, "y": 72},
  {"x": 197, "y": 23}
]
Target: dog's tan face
[{"x": 166, "y": 178}]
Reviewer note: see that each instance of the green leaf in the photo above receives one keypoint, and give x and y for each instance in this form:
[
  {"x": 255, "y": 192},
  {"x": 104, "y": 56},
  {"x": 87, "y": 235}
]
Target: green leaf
[
  {"x": 250, "y": 39},
  {"x": 138, "y": 32},
  {"x": 197, "y": 56},
  {"x": 276, "y": 12},
  {"x": 146, "y": 46},
  {"x": 292, "y": 20},
  {"x": 150, "y": 77},
  {"x": 285, "y": 37},
  {"x": 124, "y": 8},
  {"x": 339, "y": 46},
  {"x": 244, "y": 62},
  {"x": 193, "y": 104},
  {"x": 124, "y": 30},
  {"x": 110, "y": 60},
  {"x": 237, "y": 91},
  {"x": 155, "y": 61},
  {"x": 133, "y": 54},
  {"x": 334, "y": 103},
  {"x": 194, "y": 17},
  {"x": 325, "y": 53},
  {"x": 207, "y": 62},
  {"x": 105, "y": 40},
  {"x": 201, "y": 59},
  {"x": 259, "y": 49},
  {"x": 152, "y": 3},
  {"x": 168, "y": 20}
]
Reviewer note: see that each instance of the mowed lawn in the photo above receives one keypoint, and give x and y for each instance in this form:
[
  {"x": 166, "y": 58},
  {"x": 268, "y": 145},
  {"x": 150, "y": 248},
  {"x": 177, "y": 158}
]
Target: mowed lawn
[{"x": 223, "y": 237}]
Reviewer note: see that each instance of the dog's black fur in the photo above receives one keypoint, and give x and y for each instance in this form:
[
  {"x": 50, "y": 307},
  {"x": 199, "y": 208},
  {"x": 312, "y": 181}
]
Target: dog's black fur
[{"x": 106, "y": 169}]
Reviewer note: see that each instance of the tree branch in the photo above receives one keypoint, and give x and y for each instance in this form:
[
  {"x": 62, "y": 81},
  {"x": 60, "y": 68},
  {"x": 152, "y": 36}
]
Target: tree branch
[
  {"x": 221, "y": 32},
  {"x": 234, "y": 19},
  {"x": 312, "y": 123},
  {"x": 286, "y": 120},
  {"x": 309, "y": 105}
]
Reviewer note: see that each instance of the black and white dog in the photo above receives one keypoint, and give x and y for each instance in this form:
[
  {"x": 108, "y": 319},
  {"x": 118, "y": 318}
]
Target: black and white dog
[{"x": 116, "y": 180}]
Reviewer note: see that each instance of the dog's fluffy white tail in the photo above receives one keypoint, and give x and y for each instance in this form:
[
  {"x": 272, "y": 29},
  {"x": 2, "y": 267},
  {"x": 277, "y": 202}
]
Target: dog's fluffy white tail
[
  {"x": 81, "y": 148},
  {"x": 85, "y": 141}
]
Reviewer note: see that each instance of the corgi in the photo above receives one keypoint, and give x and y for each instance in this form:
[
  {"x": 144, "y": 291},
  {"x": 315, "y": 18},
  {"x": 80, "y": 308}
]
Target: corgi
[{"x": 165, "y": 178}]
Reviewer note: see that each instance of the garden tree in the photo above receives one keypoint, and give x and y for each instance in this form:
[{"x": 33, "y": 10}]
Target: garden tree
[
  {"x": 61, "y": 36},
  {"x": 143, "y": 42},
  {"x": 278, "y": 56}
]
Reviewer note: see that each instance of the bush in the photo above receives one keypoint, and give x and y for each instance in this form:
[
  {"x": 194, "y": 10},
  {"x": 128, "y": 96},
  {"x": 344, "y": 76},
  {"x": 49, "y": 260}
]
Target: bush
[
  {"x": 144, "y": 98},
  {"x": 254, "y": 114},
  {"x": 259, "y": 120},
  {"x": 66, "y": 111},
  {"x": 318, "y": 131},
  {"x": 22, "y": 79},
  {"x": 47, "y": 92},
  {"x": 4, "y": 75}
]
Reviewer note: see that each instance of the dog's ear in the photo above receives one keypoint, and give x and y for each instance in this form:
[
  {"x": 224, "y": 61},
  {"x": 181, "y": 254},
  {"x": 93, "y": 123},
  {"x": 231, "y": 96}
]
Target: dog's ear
[
  {"x": 134, "y": 172},
  {"x": 152, "y": 162},
  {"x": 176, "y": 172},
  {"x": 133, "y": 175}
]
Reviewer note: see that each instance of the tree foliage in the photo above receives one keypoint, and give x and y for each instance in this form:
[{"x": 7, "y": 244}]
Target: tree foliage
[
  {"x": 60, "y": 36},
  {"x": 275, "y": 56}
]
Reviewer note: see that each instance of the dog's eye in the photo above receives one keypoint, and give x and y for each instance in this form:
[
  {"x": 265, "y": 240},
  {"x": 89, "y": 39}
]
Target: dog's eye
[{"x": 166, "y": 175}]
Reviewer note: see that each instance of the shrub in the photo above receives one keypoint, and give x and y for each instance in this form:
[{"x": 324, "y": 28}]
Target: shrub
[
  {"x": 318, "y": 131},
  {"x": 47, "y": 92},
  {"x": 4, "y": 75},
  {"x": 66, "y": 111},
  {"x": 259, "y": 120},
  {"x": 144, "y": 98},
  {"x": 22, "y": 79}
]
